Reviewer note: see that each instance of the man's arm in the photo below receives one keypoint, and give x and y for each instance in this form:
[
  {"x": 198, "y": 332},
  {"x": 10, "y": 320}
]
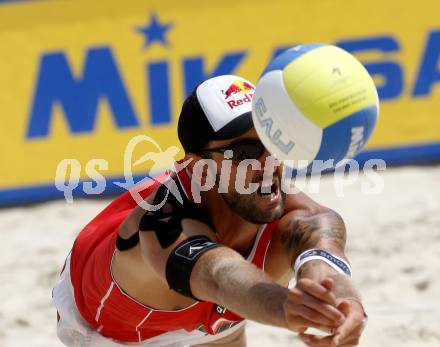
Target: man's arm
[
  {"x": 304, "y": 229},
  {"x": 223, "y": 276},
  {"x": 226, "y": 278},
  {"x": 323, "y": 228}
]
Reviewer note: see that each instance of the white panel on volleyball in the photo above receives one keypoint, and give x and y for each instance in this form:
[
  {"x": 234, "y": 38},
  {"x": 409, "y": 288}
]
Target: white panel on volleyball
[{"x": 286, "y": 116}]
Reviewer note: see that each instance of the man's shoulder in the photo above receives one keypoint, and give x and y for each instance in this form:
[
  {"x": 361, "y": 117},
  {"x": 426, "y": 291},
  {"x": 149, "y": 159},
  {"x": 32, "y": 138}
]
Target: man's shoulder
[{"x": 303, "y": 203}]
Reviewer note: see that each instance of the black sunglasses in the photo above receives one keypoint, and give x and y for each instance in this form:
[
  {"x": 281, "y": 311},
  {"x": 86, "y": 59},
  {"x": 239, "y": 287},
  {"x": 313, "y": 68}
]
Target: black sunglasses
[{"x": 241, "y": 150}]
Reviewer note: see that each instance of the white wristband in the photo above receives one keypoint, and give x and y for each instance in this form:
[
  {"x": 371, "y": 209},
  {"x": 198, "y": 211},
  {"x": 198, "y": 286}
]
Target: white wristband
[{"x": 335, "y": 262}]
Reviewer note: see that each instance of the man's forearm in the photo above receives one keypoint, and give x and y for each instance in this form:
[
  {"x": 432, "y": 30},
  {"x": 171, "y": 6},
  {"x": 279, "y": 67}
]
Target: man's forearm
[
  {"x": 254, "y": 297},
  {"x": 225, "y": 278},
  {"x": 324, "y": 230},
  {"x": 343, "y": 285}
]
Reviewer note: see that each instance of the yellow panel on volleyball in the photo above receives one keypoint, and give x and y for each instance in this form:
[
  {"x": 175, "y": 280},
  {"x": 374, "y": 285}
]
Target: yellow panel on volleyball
[{"x": 328, "y": 84}]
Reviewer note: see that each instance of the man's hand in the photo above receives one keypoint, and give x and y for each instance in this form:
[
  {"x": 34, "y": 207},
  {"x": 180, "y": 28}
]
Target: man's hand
[
  {"x": 347, "y": 334},
  {"x": 322, "y": 228},
  {"x": 312, "y": 304}
]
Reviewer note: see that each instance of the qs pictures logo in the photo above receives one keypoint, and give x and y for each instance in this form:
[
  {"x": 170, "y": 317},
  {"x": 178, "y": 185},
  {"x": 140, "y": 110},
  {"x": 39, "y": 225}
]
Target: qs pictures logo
[{"x": 68, "y": 173}]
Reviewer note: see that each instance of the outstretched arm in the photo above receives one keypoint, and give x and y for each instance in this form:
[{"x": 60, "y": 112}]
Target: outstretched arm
[
  {"x": 301, "y": 230},
  {"x": 323, "y": 228},
  {"x": 223, "y": 276}
]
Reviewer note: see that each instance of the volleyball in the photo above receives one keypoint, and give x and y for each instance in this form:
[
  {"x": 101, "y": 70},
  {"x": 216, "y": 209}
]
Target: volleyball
[{"x": 315, "y": 102}]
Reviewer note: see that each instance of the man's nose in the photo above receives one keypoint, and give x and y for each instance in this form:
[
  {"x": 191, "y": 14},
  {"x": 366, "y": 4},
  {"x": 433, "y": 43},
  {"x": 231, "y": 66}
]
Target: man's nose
[{"x": 269, "y": 161}]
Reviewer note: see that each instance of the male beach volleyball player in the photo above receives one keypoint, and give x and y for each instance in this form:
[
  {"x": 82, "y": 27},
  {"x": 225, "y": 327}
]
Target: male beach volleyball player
[{"x": 190, "y": 273}]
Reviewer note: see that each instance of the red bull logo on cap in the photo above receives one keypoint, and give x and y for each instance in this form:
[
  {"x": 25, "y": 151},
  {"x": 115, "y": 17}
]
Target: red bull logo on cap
[{"x": 239, "y": 87}]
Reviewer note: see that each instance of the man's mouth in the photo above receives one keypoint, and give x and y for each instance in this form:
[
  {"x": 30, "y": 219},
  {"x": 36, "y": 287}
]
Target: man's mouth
[{"x": 269, "y": 191}]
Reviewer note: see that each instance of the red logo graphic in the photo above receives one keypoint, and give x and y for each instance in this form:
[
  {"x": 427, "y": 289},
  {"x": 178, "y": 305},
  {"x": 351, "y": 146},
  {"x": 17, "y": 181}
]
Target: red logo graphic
[{"x": 239, "y": 87}]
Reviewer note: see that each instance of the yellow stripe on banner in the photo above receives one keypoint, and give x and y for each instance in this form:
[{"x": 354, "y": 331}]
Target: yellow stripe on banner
[{"x": 328, "y": 84}]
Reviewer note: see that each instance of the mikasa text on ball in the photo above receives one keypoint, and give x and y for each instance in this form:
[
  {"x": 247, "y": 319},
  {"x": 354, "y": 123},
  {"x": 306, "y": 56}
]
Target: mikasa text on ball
[{"x": 315, "y": 102}]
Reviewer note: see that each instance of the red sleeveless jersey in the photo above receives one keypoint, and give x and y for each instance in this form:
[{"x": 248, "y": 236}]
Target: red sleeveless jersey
[{"x": 116, "y": 315}]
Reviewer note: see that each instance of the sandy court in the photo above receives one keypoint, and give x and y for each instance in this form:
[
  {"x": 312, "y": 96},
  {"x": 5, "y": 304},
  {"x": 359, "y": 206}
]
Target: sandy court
[{"x": 394, "y": 247}]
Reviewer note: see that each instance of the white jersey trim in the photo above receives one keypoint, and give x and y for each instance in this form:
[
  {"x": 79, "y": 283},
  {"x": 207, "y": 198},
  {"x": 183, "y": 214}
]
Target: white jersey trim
[
  {"x": 104, "y": 298},
  {"x": 251, "y": 255},
  {"x": 140, "y": 323}
]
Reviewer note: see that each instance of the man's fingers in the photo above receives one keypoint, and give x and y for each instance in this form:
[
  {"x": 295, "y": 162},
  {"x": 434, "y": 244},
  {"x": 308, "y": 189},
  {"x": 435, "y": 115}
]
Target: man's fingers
[
  {"x": 317, "y": 341},
  {"x": 325, "y": 309},
  {"x": 317, "y": 290},
  {"x": 348, "y": 333},
  {"x": 351, "y": 323},
  {"x": 300, "y": 329},
  {"x": 328, "y": 341},
  {"x": 314, "y": 316},
  {"x": 328, "y": 283},
  {"x": 344, "y": 307},
  {"x": 301, "y": 325},
  {"x": 352, "y": 341}
]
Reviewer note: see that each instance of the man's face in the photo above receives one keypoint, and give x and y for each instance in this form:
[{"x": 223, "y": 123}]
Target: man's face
[{"x": 264, "y": 205}]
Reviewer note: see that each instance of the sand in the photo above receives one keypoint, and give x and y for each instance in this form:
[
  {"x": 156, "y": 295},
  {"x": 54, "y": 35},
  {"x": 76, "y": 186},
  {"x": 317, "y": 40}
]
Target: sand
[{"x": 394, "y": 247}]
